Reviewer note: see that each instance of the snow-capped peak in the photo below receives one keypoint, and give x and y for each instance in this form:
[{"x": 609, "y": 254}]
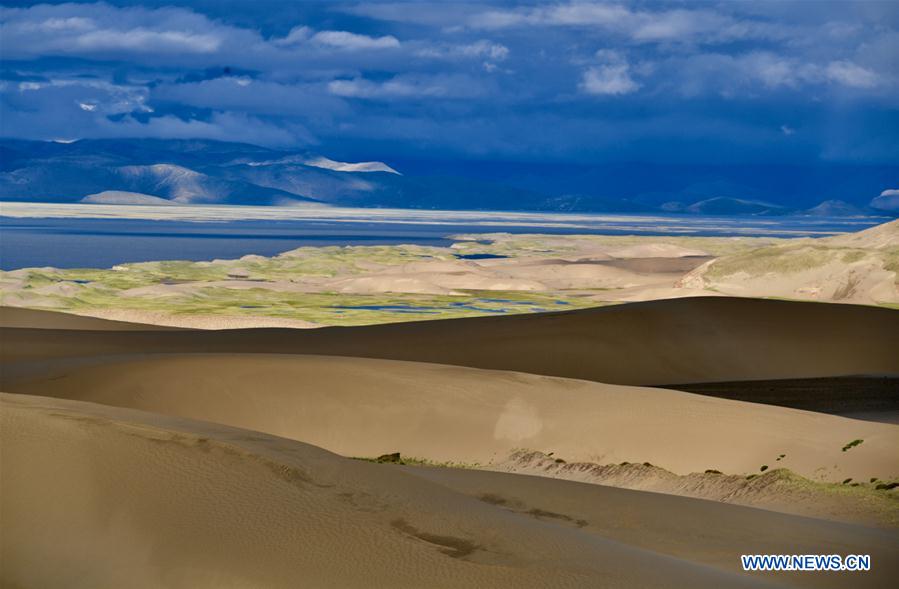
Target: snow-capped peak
[{"x": 329, "y": 164}]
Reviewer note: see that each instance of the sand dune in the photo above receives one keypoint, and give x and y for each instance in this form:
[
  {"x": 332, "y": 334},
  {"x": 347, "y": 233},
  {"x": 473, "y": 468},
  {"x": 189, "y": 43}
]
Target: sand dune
[
  {"x": 779, "y": 489},
  {"x": 584, "y": 275},
  {"x": 364, "y": 407},
  {"x": 37, "y": 319},
  {"x": 883, "y": 236},
  {"x": 111, "y": 497},
  {"x": 856, "y": 267},
  {"x": 683, "y": 528},
  {"x": 700, "y": 339}
]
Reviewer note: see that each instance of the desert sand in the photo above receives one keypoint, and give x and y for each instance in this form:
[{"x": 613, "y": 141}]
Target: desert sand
[
  {"x": 112, "y": 497},
  {"x": 481, "y": 418},
  {"x": 698, "y": 339},
  {"x": 366, "y": 407},
  {"x": 142, "y": 455},
  {"x": 38, "y": 319}
]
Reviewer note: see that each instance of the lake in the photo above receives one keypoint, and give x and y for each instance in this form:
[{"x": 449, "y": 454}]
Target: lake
[{"x": 100, "y": 236}]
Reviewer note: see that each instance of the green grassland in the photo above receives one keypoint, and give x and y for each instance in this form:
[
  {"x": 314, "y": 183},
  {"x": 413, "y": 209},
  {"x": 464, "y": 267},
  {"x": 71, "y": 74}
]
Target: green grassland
[
  {"x": 207, "y": 291},
  {"x": 516, "y": 245},
  {"x": 293, "y": 285},
  {"x": 792, "y": 258}
]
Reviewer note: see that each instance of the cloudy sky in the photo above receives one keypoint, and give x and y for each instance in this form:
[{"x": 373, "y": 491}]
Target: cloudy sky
[{"x": 575, "y": 82}]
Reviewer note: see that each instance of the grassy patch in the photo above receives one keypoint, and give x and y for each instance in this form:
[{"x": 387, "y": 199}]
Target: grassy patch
[
  {"x": 781, "y": 259},
  {"x": 852, "y": 444},
  {"x": 397, "y": 458}
]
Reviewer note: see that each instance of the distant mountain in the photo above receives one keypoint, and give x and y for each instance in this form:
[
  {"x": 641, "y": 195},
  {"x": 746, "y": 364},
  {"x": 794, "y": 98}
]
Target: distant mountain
[
  {"x": 329, "y": 164},
  {"x": 735, "y": 206},
  {"x": 186, "y": 172},
  {"x": 119, "y": 197},
  {"x": 212, "y": 172},
  {"x": 835, "y": 208},
  {"x": 887, "y": 201},
  {"x": 216, "y": 172}
]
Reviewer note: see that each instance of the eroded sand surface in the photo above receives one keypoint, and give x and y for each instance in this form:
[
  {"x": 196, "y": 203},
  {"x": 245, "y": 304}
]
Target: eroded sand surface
[
  {"x": 111, "y": 497},
  {"x": 485, "y": 418}
]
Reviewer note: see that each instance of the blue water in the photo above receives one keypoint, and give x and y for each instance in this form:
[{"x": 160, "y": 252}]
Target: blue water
[
  {"x": 393, "y": 308},
  {"x": 104, "y": 242},
  {"x": 470, "y": 306},
  {"x": 480, "y": 256}
]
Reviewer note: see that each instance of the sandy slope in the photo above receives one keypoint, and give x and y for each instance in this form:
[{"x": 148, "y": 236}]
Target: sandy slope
[
  {"x": 777, "y": 489},
  {"x": 362, "y": 407},
  {"x": 855, "y": 268},
  {"x": 658, "y": 342},
  {"x": 110, "y": 497},
  {"x": 37, "y": 319},
  {"x": 883, "y": 236},
  {"x": 681, "y": 528},
  {"x": 195, "y": 321}
]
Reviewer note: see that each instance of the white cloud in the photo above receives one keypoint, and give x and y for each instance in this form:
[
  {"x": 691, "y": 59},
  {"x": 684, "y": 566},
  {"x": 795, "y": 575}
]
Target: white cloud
[
  {"x": 612, "y": 77},
  {"x": 353, "y": 41},
  {"x": 479, "y": 49},
  {"x": 640, "y": 26},
  {"x": 296, "y": 36},
  {"x": 575, "y": 14},
  {"x": 89, "y": 95},
  {"x": 608, "y": 79},
  {"x": 887, "y": 201},
  {"x": 221, "y": 126},
  {"x": 263, "y": 97},
  {"x": 787, "y": 130},
  {"x": 141, "y": 39},
  {"x": 71, "y": 29},
  {"x": 409, "y": 86},
  {"x": 176, "y": 36},
  {"x": 747, "y": 74},
  {"x": 771, "y": 70},
  {"x": 850, "y": 74}
]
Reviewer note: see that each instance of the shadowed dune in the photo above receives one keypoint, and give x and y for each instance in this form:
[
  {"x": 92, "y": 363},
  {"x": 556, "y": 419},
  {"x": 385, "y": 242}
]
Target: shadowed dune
[
  {"x": 703, "y": 339},
  {"x": 368, "y": 407},
  {"x": 110, "y": 497},
  {"x": 37, "y": 319},
  {"x": 876, "y": 397}
]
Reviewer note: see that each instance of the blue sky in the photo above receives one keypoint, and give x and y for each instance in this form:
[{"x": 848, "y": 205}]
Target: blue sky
[{"x": 580, "y": 82}]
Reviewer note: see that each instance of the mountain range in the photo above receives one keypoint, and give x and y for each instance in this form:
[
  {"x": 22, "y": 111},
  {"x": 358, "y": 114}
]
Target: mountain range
[{"x": 162, "y": 171}]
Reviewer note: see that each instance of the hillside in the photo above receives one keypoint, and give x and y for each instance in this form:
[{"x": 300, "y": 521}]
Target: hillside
[
  {"x": 211, "y": 172},
  {"x": 858, "y": 267}
]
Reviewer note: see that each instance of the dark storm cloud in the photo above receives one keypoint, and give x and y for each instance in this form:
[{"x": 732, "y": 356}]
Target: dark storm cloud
[{"x": 581, "y": 81}]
